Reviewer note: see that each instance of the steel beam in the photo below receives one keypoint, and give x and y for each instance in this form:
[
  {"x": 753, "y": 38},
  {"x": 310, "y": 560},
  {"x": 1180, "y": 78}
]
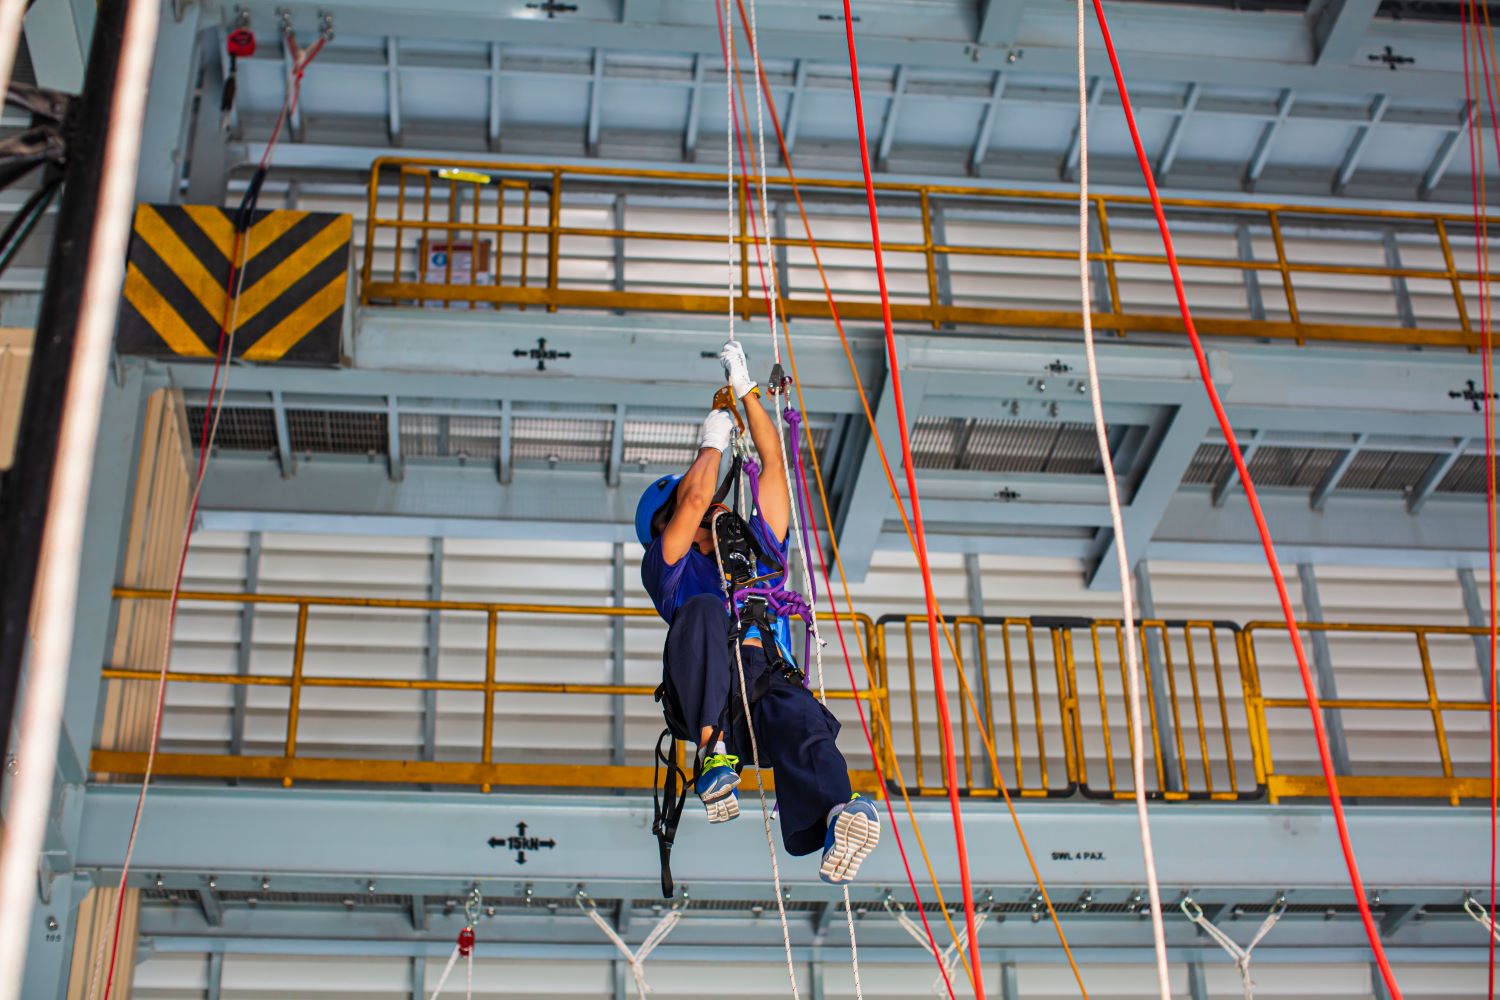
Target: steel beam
[
  {"x": 393, "y": 89},
  {"x": 418, "y": 912},
  {"x": 1156, "y": 664},
  {"x": 596, "y": 97},
  {"x": 1197, "y": 984},
  {"x": 243, "y": 648},
  {"x": 284, "y": 456},
  {"x": 1474, "y": 608},
  {"x": 1328, "y": 687},
  {"x": 288, "y": 77},
  {"x": 1232, "y": 474},
  {"x": 1069, "y": 165},
  {"x": 1399, "y": 286},
  {"x": 1338, "y": 29},
  {"x": 861, "y": 515},
  {"x": 54, "y": 927},
  {"x": 612, "y": 465},
  {"x": 1330, "y": 482},
  {"x": 493, "y": 122},
  {"x": 111, "y": 488},
  {"x": 1434, "y": 476},
  {"x": 174, "y": 70},
  {"x": 641, "y": 11},
  {"x": 602, "y": 840},
  {"x": 940, "y": 263},
  {"x": 1433, "y": 175},
  {"x": 212, "y": 906},
  {"x": 1353, "y": 530},
  {"x": 726, "y": 954},
  {"x": 419, "y": 977},
  {"x": 1254, "y": 301},
  {"x": 1181, "y": 433},
  {"x": 1358, "y": 145},
  {"x": 1235, "y": 48},
  {"x": 1262, "y": 154},
  {"x": 395, "y": 466},
  {"x": 793, "y": 107},
  {"x": 216, "y": 977},
  {"x": 1174, "y": 137},
  {"x": 432, "y": 649},
  {"x": 695, "y": 111},
  {"x": 987, "y": 122},
  {"x": 617, "y": 655},
  {"x": 998, "y": 21},
  {"x": 57, "y": 35},
  {"x": 208, "y": 149},
  {"x": 506, "y": 466},
  {"x": 888, "y": 124},
  {"x": 1009, "y": 988}
]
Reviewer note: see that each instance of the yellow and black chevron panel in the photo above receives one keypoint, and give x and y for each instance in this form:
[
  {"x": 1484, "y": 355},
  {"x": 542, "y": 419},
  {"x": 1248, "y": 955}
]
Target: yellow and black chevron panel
[{"x": 291, "y": 305}]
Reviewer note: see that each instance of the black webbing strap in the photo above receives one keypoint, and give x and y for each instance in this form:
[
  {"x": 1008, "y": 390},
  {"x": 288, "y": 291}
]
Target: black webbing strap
[
  {"x": 729, "y": 481},
  {"x": 667, "y": 799}
]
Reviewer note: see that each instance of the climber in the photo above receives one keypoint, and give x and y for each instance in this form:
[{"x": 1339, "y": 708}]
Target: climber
[{"x": 678, "y": 520}]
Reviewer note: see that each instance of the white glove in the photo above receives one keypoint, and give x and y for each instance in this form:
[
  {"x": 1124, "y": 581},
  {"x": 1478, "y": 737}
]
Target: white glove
[
  {"x": 737, "y": 369},
  {"x": 718, "y": 429}
]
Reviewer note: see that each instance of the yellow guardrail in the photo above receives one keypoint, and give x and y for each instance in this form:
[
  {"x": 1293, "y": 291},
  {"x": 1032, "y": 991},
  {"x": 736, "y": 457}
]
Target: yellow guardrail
[
  {"x": 1049, "y": 697},
  {"x": 1436, "y": 778},
  {"x": 1058, "y": 685},
  {"x": 451, "y": 218},
  {"x": 486, "y": 772}
]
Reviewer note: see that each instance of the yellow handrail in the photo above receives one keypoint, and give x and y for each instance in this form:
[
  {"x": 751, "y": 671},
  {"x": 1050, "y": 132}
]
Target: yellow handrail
[
  {"x": 1026, "y": 673},
  {"x": 491, "y": 217},
  {"x": 291, "y": 765}
]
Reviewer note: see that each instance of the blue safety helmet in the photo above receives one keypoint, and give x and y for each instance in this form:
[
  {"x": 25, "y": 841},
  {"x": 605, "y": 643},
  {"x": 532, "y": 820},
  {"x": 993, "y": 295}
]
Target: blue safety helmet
[{"x": 655, "y": 497}]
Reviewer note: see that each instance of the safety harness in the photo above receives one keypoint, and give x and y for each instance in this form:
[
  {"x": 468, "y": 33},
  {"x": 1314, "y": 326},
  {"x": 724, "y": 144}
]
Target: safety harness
[{"x": 758, "y": 601}]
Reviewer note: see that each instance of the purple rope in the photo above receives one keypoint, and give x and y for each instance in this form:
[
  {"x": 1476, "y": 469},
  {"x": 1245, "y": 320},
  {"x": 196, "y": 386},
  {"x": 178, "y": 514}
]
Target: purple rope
[{"x": 794, "y": 423}]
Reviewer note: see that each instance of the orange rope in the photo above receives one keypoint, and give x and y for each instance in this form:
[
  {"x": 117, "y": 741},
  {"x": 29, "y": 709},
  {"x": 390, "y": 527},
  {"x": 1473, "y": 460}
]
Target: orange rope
[
  {"x": 876, "y": 708},
  {"x": 900, "y": 507}
]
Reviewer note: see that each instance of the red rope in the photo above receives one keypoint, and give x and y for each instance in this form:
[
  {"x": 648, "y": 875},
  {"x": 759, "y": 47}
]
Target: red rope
[
  {"x": 838, "y": 625},
  {"x": 945, "y": 722},
  {"x": 1469, "y": 18},
  {"x": 1335, "y": 800},
  {"x": 204, "y": 444}
]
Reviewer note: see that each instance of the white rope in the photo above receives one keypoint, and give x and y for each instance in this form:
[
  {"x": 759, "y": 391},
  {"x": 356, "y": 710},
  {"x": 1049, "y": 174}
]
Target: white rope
[
  {"x": 1476, "y": 910},
  {"x": 635, "y": 959},
  {"x": 760, "y": 788},
  {"x": 1127, "y": 595},
  {"x": 729, "y": 200},
  {"x": 949, "y": 957},
  {"x": 448, "y": 970},
  {"x": 12, "y": 12},
  {"x": 58, "y": 564},
  {"x": 1240, "y": 955},
  {"x": 760, "y": 142},
  {"x": 810, "y": 587}
]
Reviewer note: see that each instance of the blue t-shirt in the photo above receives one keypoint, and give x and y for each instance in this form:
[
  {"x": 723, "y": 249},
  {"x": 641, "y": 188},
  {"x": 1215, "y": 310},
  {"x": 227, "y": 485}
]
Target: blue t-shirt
[{"x": 672, "y": 586}]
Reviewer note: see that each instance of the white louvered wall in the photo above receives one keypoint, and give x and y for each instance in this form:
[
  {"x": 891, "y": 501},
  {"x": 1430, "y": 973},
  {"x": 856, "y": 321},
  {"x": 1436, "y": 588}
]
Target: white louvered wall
[
  {"x": 170, "y": 977},
  {"x": 547, "y": 727}
]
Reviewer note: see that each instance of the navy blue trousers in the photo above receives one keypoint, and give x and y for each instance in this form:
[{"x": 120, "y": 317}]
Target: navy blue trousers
[{"x": 796, "y": 735}]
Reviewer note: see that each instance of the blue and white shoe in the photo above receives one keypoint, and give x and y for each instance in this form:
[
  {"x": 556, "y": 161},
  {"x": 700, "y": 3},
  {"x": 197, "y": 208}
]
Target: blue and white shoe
[
  {"x": 852, "y": 836},
  {"x": 717, "y": 787}
]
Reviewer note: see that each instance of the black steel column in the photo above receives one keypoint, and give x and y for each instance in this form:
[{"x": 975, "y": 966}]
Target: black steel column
[{"x": 25, "y": 489}]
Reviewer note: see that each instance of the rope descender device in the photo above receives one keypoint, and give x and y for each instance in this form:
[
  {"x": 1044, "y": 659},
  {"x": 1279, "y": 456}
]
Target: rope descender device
[{"x": 724, "y": 399}]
